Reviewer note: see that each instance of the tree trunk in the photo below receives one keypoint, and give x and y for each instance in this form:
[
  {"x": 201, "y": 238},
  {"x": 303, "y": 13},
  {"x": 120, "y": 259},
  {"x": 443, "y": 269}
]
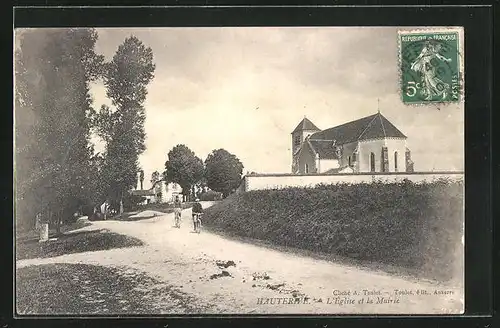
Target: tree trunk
[
  {"x": 121, "y": 206},
  {"x": 58, "y": 223}
]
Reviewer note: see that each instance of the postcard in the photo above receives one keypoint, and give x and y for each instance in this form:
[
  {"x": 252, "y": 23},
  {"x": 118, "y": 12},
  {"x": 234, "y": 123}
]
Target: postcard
[{"x": 239, "y": 170}]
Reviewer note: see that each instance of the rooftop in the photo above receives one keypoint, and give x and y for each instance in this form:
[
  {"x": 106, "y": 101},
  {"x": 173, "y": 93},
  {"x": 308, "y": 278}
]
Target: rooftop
[
  {"x": 375, "y": 126},
  {"x": 306, "y": 125}
]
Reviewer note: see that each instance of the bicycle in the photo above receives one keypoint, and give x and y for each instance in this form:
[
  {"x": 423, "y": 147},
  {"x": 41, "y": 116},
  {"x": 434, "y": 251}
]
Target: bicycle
[{"x": 197, "y": 222}]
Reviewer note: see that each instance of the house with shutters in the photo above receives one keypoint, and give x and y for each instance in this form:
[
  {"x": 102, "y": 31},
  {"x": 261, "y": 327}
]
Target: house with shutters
[{"x": 369, "y": 144}]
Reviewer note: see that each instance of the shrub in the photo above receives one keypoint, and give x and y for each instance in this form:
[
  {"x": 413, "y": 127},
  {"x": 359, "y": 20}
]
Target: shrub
[
  {"x": 415, "y": 226},
  {"x": 210, "y": 196}
]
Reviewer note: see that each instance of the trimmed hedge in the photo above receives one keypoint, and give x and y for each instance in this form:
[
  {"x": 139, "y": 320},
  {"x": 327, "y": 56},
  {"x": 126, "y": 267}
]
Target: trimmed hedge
[
  {"x": 414, "y": 226},
  {"x": 210, "y": 196}
]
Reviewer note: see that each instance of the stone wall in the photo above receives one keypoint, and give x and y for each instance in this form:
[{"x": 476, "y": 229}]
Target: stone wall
[{"x": 277, "y": 181}]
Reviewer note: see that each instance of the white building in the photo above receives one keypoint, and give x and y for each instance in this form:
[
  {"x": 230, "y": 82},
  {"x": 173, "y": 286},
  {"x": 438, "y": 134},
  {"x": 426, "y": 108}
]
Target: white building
[
  {"x": 164, "y": 192},
  {"x": 369, "y": 144},
  {"x": 160, "y": 192}
]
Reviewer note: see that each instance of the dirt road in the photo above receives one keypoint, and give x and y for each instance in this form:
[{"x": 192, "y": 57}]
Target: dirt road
[{"x": 262, "y": 280}]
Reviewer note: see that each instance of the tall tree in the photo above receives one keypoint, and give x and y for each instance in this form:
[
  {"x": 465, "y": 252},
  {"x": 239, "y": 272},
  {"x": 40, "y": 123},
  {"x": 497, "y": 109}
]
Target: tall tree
[
  {"x": 141, "y": 178},
  {"x": 97, "y": 190},
  {"x": 53, "y": 69},
  {"x": 122, "y": 128},
  {"x": 223, "y": 171},
  {"x": 184, "y": 168}
]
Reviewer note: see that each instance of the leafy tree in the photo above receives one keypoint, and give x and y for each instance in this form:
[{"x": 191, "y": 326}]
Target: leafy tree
[
  {"x": 223, "y": 171},
  {"x": 122, "y": 128},
  {"x": 97, "y": 190},
  {"x": 53, "y": 69},
  {"x": 184, "y": 168}
]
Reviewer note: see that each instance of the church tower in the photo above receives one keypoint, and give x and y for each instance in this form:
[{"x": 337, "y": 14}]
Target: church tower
[{"x": 304, "y": 129}]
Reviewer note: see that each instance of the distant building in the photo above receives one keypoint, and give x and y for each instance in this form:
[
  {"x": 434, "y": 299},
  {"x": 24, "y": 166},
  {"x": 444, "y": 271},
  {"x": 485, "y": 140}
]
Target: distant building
[
  {"x": 160, "y": 192},
  {"x": 369, "y": 144},
  {"x": 166, "y": 192},
  {"x": 147, "y": 194}
]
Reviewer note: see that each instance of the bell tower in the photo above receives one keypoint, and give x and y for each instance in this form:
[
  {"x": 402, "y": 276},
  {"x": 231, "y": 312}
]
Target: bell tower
[{"x": 304, "y": 129}]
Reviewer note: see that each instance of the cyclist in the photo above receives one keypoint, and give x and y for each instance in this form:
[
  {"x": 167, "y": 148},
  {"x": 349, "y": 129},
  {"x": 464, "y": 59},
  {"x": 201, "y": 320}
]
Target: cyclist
[
  {"x": 177, "y": 211},
  {"x": 197, "y": 213}
]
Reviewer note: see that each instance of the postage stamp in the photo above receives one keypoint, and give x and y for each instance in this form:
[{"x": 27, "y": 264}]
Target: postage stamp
[{"x": 431, "y": 66}]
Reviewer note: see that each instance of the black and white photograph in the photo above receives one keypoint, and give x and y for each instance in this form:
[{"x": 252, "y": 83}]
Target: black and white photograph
[{"x": 239, "y": 170}]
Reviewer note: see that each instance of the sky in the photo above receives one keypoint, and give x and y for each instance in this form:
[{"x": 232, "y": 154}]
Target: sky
[{"x": 245, "y": 90}]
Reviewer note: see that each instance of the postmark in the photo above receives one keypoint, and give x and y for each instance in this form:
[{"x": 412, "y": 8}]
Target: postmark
[{"x": 431, "y": 68}]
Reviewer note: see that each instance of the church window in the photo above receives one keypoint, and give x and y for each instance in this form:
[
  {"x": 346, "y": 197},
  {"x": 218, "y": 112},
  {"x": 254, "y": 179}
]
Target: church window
[
  {"x": 307, "y": 168},
  {"x": 349, "y": 159},
  {"x": 372, "y": 162},
  {"x": 296, "y": 140},
  {"x": 395, "y": 161}
]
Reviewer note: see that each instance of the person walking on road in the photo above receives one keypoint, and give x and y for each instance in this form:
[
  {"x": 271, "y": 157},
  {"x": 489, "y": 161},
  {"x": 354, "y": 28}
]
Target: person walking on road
[{"x": 177, "y": 212}]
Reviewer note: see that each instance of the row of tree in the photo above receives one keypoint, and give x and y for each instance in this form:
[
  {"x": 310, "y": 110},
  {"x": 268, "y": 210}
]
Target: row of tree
[
  {"x": 122, "y": 127},
  {"x": 220, "y": 172},
  {"x": 56, "y": 170}
]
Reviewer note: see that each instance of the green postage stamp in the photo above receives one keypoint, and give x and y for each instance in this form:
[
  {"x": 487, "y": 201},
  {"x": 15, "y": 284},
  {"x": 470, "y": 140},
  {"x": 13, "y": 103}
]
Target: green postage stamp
[{"x": 431, "y": 66}]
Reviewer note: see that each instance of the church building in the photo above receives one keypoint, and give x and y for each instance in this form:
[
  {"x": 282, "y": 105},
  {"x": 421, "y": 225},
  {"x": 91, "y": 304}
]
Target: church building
[{"x": 369, "y": 144}]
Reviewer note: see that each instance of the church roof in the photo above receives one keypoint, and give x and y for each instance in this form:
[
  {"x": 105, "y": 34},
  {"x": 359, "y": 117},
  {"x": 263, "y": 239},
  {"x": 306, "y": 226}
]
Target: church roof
[
  {"x": 306, "y": 125},
  {"x": 324, "y": 148},
  {"x": 371, "y": 127}
]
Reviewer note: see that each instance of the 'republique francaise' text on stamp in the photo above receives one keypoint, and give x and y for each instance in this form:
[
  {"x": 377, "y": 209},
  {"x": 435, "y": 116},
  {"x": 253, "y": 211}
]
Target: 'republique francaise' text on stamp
[{"x": 430, "y": 66}]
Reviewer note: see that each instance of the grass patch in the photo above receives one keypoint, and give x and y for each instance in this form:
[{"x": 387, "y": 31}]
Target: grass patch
[
  {"x": 58, "y": 289},
  {"x": 74, "y": 242},
  {"x": 26, "y": 234},
  {"x": 417, "y": 227}
]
